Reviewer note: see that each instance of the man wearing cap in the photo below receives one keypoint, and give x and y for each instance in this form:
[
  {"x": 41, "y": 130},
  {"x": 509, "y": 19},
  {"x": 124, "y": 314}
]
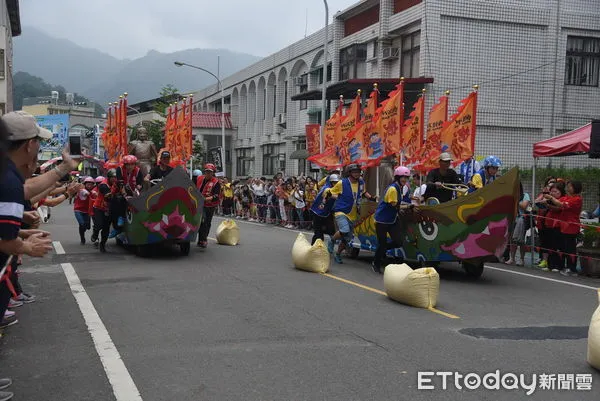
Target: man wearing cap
[
  {"x": 439, "y": 176},
  {"x": 163, "y": 169},
  {"x": 210, "y": 187},
  {"x": 24, "y": 137}
]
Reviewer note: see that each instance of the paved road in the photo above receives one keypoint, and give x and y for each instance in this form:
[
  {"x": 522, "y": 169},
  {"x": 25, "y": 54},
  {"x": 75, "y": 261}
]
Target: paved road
[{"x": 239, "y": 323}]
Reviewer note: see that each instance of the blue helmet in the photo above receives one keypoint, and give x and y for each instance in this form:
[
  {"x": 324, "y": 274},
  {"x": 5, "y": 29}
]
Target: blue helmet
[
  {"x": 197, "y": 173},
  {"x": 492, "y": 161}
]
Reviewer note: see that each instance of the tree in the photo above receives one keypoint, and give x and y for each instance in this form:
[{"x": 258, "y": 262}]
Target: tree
[
  {"x": 168, "y": 94},
  {"x": 199, "y": 154}
]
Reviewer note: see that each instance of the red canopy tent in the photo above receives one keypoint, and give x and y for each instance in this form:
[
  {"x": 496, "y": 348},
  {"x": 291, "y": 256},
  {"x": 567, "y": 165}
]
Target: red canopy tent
[{"x": 575, "y": 142}]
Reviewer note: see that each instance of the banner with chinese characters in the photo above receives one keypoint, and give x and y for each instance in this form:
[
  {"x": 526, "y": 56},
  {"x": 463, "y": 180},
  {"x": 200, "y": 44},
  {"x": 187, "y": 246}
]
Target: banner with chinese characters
[
  {"x": 179, "y": 132},
  {"x": 313, "y": 139},
  {"x": 458, "y": 134},
  {"x": 412, "y": 136},
  {"x": 432, "y": 148},
  {"x": 386, "y": 139}
]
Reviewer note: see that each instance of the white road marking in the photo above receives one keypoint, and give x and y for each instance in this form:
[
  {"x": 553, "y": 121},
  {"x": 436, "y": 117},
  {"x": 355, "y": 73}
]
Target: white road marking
[
  {"x": 122, "y": 384},
  {"x": 542, "y": 278},
  {"x": 58, "y": 248}
]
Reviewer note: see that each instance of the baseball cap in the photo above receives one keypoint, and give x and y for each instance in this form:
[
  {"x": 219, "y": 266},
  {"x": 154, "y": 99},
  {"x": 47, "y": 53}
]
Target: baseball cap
[
  {"x": 22, "y": 126},
  {"x": 446, "y": 157},
  {"x": 165, "y": 154}
]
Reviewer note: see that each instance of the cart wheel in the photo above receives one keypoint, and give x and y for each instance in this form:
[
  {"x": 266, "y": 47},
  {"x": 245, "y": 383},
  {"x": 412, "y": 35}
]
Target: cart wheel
[
  {"x": 184, "y": 247},
  {"x": 353, "y": 252},
  {"x": 474, "y": 270}
]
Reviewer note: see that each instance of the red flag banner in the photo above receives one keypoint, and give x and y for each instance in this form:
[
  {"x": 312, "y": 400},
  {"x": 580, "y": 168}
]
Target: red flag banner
[
  {"x": 432, "y": 147},
  {"x": 313, "y": 139},
  {"x": 458, "y": 135},
  {"x": 412, "y": 137}
]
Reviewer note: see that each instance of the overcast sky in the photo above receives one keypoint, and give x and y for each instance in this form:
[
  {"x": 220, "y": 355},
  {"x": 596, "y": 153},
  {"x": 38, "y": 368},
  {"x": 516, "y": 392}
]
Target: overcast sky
[{"x": 129, "y": 28}]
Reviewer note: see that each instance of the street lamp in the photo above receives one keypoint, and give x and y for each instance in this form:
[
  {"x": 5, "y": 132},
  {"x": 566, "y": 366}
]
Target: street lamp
[
  {"x": 138, "y": 113},
  {"x": 324, "y": 94},
  {"x": 223, "y": 161}
]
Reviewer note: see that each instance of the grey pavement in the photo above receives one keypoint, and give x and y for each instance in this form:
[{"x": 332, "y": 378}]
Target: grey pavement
[{"x": 240, "y": 323}]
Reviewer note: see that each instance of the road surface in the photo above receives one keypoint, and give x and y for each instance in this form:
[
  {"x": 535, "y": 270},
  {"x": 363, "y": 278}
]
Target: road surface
[{"x": 240, "y": 323}]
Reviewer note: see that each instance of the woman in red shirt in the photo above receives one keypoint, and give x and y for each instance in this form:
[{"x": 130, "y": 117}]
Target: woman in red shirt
[
  {"x": 81, "y": 207},
  {"x": 570, "y": 209},
  {"x": 552, "y": 223}
]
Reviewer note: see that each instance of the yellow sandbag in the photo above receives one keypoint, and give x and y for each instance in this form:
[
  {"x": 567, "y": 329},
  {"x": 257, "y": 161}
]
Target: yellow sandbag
[
  {"x": 418, "y": 288},
  {"x": 593, "y": 350},
  {"x": 228, "y": 233},
  {"x": 313, "y": 258}
]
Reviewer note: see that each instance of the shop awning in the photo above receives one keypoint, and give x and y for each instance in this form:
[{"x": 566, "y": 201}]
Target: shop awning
[
  {"x": 575, "y": 142},
  {"x": 349, "y": 88}
]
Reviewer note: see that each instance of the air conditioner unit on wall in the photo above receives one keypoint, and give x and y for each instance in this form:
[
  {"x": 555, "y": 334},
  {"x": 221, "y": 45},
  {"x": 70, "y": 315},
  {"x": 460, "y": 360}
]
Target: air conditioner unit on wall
[
  {"x": 281, "y": 119},
  {"x": 390, "y": 53}
]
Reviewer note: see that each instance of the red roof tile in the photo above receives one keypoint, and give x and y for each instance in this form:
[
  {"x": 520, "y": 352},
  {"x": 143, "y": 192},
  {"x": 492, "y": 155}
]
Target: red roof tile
[{"x": 210, "y": 120}]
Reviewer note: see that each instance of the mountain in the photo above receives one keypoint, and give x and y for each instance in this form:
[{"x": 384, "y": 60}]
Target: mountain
[
  {"x": 102, "y": 78},
  {"x": 27, "y": 85}
]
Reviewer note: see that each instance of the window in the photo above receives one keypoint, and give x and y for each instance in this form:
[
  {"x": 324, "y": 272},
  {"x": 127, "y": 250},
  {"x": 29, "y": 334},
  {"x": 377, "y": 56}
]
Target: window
[
  {"x": 2, "y": 62},
  {"x": 245, "y": 158},
  {"x": 270, "y": 159},
  {"x": 320, "y": 74},
  {"x": 274, "y": 100},
  {"x": 264, "y": 104},
  {"x": 411, "y": 54},
  {"x": 583, "y": 61},
  {"x": 285, "y": 97},
  {"x": 304, "y": 88},
  {"x": 353, "y": 62}
]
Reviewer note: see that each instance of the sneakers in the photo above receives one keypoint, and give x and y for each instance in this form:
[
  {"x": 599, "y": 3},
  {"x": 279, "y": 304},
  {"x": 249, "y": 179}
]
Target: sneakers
[
  {"x": 565, "y": 272},
  {"x": 9, "y": 314},
  {"x": 7, "y": 322},
  {"x": 13, "y": 303},
  {"x": 26, "y": 298},
  {"x": 338, "y": 258},
  {"x": 202, "y": 244},
  {"x": 113, "y": 234},
  {"x": 509, "y": 262},
  {"x": 543, "y": 264}
]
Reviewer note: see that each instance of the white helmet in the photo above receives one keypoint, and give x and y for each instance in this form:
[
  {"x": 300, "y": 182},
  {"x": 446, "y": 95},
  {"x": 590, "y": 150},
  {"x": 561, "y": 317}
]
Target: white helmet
[{"x": 334, "y": 178}]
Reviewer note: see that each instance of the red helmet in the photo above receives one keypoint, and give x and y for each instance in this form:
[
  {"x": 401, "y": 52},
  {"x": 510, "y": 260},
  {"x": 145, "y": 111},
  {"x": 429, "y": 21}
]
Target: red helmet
[
  {"x": 129, "y": 159},
  {"x": 210, "y": 167},
  {"x": 99, "y": 179}
]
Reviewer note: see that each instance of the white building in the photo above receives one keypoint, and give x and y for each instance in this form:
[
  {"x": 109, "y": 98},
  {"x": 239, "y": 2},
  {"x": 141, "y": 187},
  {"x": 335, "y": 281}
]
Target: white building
[
  {"x": 537, "y": 64},
  {"x": 10, "y": 26}
]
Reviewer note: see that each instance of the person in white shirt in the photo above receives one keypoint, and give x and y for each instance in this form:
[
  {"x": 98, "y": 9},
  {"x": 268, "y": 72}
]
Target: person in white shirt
[
  {"x": 418, "y": 197},
  {"x": 260, "y": 197}
]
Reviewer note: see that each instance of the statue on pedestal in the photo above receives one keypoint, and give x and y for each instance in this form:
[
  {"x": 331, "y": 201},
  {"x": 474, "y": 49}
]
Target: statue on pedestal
[{"x": 144, "y": 150}]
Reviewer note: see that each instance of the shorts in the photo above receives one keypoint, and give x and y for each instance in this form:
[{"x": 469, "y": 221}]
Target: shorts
[{"x": 345, "y": 227}]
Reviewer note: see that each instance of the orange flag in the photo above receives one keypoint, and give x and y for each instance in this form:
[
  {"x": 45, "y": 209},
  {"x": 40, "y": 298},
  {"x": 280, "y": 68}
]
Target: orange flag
[
  {"x": 412, "y": 136},
  {"x": 432, "y": 147},
  {"x": 345, "y": 128},
  {"x": 359, "y": 139},
  {"x": 458, "y": 134},
  {"x": 385, "y": 140},
  {"x": 331, "y": 125}
]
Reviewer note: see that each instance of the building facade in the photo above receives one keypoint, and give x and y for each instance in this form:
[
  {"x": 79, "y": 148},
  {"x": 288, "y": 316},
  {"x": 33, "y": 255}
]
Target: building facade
[
  {"x": 537, "y": 64},
  {"x": 10, "y": 26}
]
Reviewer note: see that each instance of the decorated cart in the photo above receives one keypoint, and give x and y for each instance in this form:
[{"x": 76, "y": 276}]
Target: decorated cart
[
  {"x": 170, "y": 212},
  {"x": 472, "y": 229}
]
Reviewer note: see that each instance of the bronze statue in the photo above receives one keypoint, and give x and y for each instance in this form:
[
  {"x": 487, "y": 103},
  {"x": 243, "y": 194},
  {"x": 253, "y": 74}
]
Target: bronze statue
[{"x": 144, "y": 150}]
